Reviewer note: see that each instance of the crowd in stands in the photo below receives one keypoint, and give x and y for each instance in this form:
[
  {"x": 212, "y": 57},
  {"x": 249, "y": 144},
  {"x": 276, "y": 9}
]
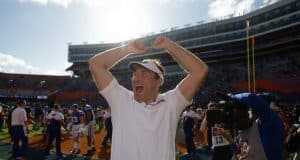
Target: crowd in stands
[{"x": 222, "y": 76}]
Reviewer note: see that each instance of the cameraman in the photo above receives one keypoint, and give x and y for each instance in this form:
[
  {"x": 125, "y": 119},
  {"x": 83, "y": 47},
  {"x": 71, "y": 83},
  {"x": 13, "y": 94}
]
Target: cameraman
[
  {"x": 213, "y": 126},
  {"x": 262, "y": 139}
]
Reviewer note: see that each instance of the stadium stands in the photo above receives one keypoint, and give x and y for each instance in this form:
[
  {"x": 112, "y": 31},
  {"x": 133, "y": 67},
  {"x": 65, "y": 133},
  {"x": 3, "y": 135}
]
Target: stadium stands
[
  {"x": 275, "y": 30},
  {"x": 222, "y": 44}
]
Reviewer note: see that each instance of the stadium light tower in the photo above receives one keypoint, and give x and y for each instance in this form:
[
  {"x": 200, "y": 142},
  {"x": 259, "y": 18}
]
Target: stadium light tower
[
  {"x": 253, "y": 66},
  {"x": 248, "y": 56},
  {"x": 248, "y": 59}
]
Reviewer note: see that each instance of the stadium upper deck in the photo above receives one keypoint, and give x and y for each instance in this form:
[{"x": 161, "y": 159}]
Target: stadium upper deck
[{"x": 275, "y": 29}]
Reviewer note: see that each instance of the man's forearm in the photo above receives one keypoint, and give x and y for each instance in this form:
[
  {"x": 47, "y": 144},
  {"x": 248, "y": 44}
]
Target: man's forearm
[
  {"x": 102, "y": 62},
  {"x": 195, "y": 67},
  {"x": 108, "y": 58},
  {"x": 185, "y": 58}
]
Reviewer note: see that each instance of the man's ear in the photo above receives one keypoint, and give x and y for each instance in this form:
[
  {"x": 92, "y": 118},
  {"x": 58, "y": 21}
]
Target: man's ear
[{"x": 161, "y": 82}]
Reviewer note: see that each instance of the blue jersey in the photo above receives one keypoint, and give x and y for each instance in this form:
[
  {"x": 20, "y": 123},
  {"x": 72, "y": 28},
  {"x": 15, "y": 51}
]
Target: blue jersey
[
  {"x": 270, "y": 126},
  {"x": 76, "y": 117}
]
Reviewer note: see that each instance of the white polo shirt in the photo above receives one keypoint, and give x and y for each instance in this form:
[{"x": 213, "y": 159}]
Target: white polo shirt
[
  {"x": 55, "y": 115},
  {"x": 141, "y": 132},
  {"x": 18, "y": 117}
]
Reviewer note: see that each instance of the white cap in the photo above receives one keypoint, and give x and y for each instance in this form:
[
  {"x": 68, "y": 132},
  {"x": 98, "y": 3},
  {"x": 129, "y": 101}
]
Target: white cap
[{"x": 148, "y": 64}]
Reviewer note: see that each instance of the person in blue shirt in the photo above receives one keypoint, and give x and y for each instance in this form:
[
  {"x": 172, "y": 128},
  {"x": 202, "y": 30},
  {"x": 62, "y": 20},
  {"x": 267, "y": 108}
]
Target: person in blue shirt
[
  {"x": 76, "y": 128},
  {"x": 262, "y": 138},
  {"x": 89, "y": 122}
]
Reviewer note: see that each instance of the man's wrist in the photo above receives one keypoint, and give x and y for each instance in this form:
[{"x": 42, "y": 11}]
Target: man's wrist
[
  {"x": 171, "y": 47},
  {"x": 169, "y": 44}
]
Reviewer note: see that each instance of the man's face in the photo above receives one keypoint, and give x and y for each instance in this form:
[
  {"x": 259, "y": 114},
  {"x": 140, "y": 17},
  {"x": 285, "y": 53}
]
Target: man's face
[
  {"x": 74, "y": 108},
  {"x": 145, "y": 84},
  {"x": 23, "y": 104},
  {"x": 82, "y": 103}
]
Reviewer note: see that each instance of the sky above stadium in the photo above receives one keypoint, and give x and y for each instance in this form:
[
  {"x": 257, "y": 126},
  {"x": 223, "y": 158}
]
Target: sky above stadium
[{"x": 34, "y": 34}]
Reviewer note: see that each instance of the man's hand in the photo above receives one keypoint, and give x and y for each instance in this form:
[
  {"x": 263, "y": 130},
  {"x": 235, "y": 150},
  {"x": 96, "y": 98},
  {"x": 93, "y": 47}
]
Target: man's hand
[
  {"x": 161, "y": 42},
  {"x": 226, "y": 134},
  {"x": 136, "y": 46}
]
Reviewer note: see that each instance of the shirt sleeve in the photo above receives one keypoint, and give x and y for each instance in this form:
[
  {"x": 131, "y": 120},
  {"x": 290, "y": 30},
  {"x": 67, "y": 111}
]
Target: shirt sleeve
[
  {"x": 62, "y": 116},
  {"x": 115, "y": 95},
  {"x": 24, "y": 116},
  {"x": 178, "y": 100},
  {"x": 193, "y": 114},
  {"x": 49, "y": 115}
]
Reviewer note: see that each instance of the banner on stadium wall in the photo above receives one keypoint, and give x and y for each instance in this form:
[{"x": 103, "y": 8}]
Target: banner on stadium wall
[
  {"x": 291, "y": 85},
  {"x": 39, "y": 97}
]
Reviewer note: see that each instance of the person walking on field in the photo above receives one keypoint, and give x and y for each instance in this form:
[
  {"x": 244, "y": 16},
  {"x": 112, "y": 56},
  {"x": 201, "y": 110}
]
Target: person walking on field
[
  {"x": 54, "y": 121},
  {"x": 76, "y": 127},
  {"x": 19, "y": 130}
]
